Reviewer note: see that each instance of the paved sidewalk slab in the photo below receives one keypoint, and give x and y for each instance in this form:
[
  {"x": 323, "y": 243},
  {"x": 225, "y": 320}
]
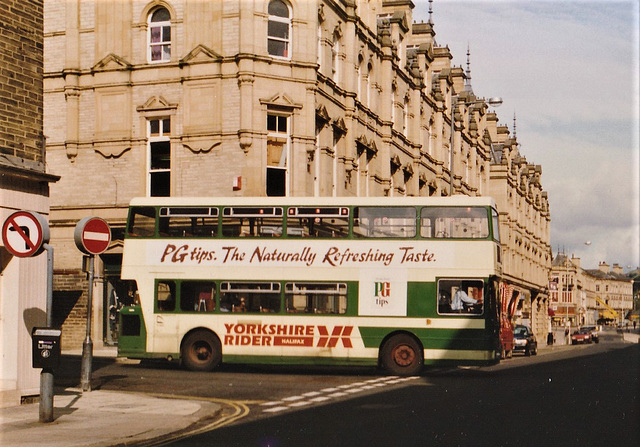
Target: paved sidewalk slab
[{"x": 100, "y": 418}]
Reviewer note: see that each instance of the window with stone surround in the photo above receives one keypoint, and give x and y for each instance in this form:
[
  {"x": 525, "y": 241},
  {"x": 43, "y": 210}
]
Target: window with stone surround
[
  {"x": 159, "y": 35},
  {"x": 159, "y": 158},
  {"x": 277, "y": 153},
  {"x": 279, "y": 29}
]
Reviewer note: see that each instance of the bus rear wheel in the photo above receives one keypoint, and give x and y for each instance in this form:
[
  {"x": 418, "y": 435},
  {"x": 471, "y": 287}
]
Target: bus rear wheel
[
  {"x": 401, "y": 355},
  {"x": 201, "y": 351}
]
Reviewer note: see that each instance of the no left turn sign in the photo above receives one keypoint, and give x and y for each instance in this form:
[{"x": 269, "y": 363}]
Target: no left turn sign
[{"x": 24, "y": 233}]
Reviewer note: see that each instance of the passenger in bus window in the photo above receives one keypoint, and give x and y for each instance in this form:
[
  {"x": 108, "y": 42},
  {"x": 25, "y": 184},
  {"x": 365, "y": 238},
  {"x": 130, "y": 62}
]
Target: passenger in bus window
[
  {"x": 241, "y": 306},
  {"x": 205, "y": 302},
  {"x": 461, "y": 301}
]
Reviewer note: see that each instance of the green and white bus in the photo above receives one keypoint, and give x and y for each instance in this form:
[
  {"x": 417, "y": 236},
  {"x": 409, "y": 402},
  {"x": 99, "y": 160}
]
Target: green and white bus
[{"x": 395, "y": 282}]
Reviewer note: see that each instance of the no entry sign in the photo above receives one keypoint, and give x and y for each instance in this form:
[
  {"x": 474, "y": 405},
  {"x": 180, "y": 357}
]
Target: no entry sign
[
  {"x": 24, "y": 233},
  {"x": 92, "y": 235}
]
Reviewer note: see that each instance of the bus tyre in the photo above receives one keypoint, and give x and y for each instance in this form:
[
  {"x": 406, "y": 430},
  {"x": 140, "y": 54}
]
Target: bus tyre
[
  {"x": 401, "y": 355},
  {"x": 201, "y": 351}
]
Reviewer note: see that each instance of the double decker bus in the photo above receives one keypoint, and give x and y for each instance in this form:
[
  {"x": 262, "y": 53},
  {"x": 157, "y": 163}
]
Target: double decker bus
[{"x": 394, "y": 282}]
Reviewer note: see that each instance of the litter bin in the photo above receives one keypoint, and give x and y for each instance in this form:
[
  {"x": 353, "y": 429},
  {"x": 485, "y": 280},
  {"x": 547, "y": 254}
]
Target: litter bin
[{"x": 46, "y": 347}]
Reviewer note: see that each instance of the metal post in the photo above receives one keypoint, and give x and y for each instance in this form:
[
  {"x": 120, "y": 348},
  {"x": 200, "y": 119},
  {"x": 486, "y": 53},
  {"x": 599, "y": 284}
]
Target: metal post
[
  {"x": 87, "y": 345},
  {"x": 46, "y": 375}
]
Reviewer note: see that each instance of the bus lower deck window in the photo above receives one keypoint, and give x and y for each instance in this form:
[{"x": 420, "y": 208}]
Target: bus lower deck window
[{"x": 460, "y": 296}]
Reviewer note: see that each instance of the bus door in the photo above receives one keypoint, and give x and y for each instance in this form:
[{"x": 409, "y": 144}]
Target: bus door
[{"x": 165, "y": 319}]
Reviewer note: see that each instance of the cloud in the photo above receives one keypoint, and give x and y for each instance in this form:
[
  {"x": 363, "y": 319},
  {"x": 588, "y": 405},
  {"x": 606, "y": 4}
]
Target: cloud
[{"x": 569, "y": 70}]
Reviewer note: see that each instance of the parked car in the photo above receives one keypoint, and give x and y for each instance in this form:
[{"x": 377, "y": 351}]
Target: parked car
[
  {"x": 594, "y": 333},
  {"x": 581, "y": 336},
  {"x": 525, "y": 341}
]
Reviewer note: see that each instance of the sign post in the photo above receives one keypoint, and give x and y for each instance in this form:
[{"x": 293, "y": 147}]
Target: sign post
[
  {"x": 92, "y": 237},
  {"x": 26, "y": 234}
]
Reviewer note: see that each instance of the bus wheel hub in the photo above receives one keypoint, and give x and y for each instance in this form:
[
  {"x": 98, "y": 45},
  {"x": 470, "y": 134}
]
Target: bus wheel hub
[
  {"x": 202, "y": 353},
  {"x": 404, "y": 355}
]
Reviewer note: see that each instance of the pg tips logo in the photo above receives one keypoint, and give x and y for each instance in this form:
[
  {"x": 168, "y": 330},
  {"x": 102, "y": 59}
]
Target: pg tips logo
[{"x": 382, "y": 293}]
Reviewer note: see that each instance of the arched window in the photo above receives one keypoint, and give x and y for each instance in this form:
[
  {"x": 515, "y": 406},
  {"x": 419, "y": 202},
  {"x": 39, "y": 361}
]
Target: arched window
[
  {"x": 370, "y": 85},
  {"x": 405, "y": 117},
  {"x": 159, "y": 35},
  {"x": 359, "y": 79},
  {"x": 335, "y": 58},
  {"x": 279, "y": 30}
]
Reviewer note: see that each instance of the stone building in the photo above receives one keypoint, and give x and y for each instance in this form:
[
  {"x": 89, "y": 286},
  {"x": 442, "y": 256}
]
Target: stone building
[
  {"x": 524, "y": 230},
  {"x": 24, "y": 185},
  {"x": 271, "y": 97},
  {"x": 612, "y": 290},
  {"x": 586, "y": 296}
]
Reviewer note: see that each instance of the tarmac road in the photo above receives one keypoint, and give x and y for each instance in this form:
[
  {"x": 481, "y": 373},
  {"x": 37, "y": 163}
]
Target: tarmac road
[
  {"x": 587, "y": 400},
  {"x": 566, "y": 395}
]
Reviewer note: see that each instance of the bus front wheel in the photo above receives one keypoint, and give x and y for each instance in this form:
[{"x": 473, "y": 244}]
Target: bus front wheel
[
  {"x": 201, "y": 351},
  {"x": 401, "y": 355}
]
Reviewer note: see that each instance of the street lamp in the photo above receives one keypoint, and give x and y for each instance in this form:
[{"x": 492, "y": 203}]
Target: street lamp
[{"x": 493, "y": 102}]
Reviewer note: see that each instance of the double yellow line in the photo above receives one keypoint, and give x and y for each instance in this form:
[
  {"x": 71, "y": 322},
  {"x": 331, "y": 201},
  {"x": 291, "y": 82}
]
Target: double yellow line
[{"x": 232, "y": 411}]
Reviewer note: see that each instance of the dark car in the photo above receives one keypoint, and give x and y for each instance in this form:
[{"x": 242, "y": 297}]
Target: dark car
[
  {"x": 525, "y": 341},
  {"x": 581, "y": 336},
  {"x": 594, "y": 333}
]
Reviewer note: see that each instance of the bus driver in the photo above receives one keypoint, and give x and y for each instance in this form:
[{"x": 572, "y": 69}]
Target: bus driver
[{"x": 461, "y": 300}]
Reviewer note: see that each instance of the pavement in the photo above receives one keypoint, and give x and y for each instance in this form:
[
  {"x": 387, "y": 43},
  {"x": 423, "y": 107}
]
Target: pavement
[
  {"x": 106, "y": 418},
  {"x": 102, "y": 418}
]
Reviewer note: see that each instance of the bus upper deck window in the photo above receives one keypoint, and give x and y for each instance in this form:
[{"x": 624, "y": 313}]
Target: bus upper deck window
[
  {"x": 252, "y": 222},
  {"x": 384, "y": 222},
  {"x": 142, "y": 222},
  {"x": 496, "y": 226},
  {"x": 454, "y": 222},
  {"x": 189, "y": 221},
  {"x": 320, "y": 222}
]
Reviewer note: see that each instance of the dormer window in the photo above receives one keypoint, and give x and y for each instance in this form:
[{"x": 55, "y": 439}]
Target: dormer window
[{"x": 160, "y": 35}]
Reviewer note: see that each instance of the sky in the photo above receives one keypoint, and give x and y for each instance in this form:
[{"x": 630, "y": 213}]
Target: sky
[{"x": 568, "y": 71}]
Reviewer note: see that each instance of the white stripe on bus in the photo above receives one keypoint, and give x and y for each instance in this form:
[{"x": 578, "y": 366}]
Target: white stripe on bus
[{"x": 452, "y": 354}]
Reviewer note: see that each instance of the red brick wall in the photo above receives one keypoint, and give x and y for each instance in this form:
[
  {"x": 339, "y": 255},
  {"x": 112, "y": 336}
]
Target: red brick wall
[
  {"x": 70, "y": 307},
  {"x": 21, "y": 90}
]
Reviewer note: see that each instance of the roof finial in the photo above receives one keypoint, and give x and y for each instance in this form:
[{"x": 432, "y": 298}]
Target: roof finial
[
  {"x": 430, "y": 12},
  {"x": 515, "y": 132},
  {"x": 467, "y": 81}
]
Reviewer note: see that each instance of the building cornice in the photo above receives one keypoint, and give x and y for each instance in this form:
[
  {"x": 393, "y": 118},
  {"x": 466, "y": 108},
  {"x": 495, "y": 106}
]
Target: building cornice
[{"x": 10, "y": 167}]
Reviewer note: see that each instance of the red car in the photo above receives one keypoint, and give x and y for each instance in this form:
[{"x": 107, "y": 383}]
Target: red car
[{"x": 581, "y": 336}]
